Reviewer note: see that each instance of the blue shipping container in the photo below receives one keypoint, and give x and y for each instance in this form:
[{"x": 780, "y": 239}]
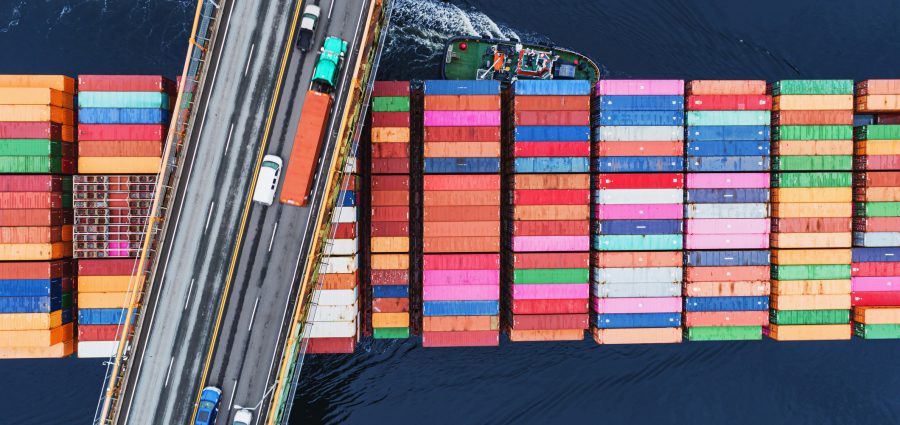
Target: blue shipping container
[
  {"x": 876, "y": 255},
  {"x": 639, "y": 118},
  {"x": 553, "y": 133},
  {"x": 30, "y": 304},
  {"x": 639, "y": 227},
  {"x": 641, "y": 103},
  {"x": 460, "y": 308},
  {"x": 728, "y": 163},
  {"x": 67, "y": 315},
  {"x": 638, "y": 320},
  {"x": 102, "y": 316},
  {"x": 462, "y": 87},
  {"x": 462, "y": 165},
  {"x": 390, "y": 291},
  {"x": 638, "y": 164},
  {"x": 561, "y": 164},
  {"x": 729, "y": 132},
  {"x": 728, "y": 148},
  {"x": 31, "y": 287},
  {"x": 552, "y": 87},
  {"x": 347, "y": 199},
  {"x": 692, "y": 304},
  {"x": 727, "y": 258},
  {"x": 727, "y": 196},
  {"x": 122, "y": 116}
]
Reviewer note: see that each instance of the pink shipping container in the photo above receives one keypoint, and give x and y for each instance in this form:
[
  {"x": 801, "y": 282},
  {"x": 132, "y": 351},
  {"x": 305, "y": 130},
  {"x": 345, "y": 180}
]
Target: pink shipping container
[
  {"x": 461, "y": 293},
  {"x": 145, "y": 83},
  {"x": 551, "y": 243},
  {"x": 727, "y": 180},
  {"x": 460, "y": 277},
  {"x": 554, "y": 291},
  {"x": 639, "y": 212},
  {"x": 724, "y": 226},
  {"x": 106, "y": 267},
  {"x": 461, "y": 339},
  {"x": 640, "y": 87},
  {"x": 121, "y": 132},
  {"x": 462, "y": 118},
  {"x": 30, "y": 183},
  {"x": 28, "y": 200},
  {"x": 461, "y": 182},
  {"x": 756, "y": 241},
  {"x": 637, "y": 305},
  {"x": 875, "y": 284},
  {"x": 461, "y": 262},
  {"x": 36, "y": 130}
]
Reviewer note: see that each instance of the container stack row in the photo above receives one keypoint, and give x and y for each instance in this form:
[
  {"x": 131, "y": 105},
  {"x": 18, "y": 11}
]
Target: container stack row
[
  {"x": 389, "y": 240},
  {"x": 111, "y": 214},
  {"x": 461, "y": 214},
  {"x": 546, "y": 267},
  {"x": 638, "y": 211},
  {"x": 727, "y": 210},
  {"x": 103, "y": 295},
  {"x": 812, "y": 132},
  {"x": 37, "y": 150}
]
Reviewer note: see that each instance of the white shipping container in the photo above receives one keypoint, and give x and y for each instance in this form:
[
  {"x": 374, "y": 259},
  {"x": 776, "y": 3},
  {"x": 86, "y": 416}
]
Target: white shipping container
[
  {"x": 638, "y": 196},
  {"x": 877, "y": 239},
  {"x": 342, "y": 247},
  {"x": 97, "y": 349},
  {"x": 334, "y": 297},
  {"x": 334, "y": 313},
  {"x": 640, "y": 133},
  {"x": 337, "y": 264},
  {"x": 718, "y": 226},
  {"x": 637, "y": 290},
  {"x": 726, "y": 210},
  {"x": 344, "y": 215},
  {"x": 330, "y": 330},
  {"x": 638, "y": 275},
  {"x": 350, "y": 166}
]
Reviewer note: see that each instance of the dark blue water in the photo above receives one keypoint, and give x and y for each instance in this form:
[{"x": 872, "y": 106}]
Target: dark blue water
[{"x": 524, "y": 383}]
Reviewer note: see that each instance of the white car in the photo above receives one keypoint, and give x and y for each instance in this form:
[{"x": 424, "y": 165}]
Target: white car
[
  {"x": 243, "y": 417},
  {"x": 267, "y": 180}
]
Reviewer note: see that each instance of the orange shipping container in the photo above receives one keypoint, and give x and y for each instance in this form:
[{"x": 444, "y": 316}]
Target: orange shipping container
[
  {"x": 35, "y": 269},
  {"x": 811, "y": 302},
  {"x": 551, "y": 212},
  {"x": 120, "y": 148},
  {"x": 388, "y": 198},
  {"x": 446, "y": 198},
  {"x": 390, "y": 135},
  {"x": 462, "y": 149},
  {"x": 55, "y": 82},
  {"x": 812, "y": 102},
  {"x": 301, "y": 167},
  {"x": 56, "y": 351},
  {"x": 462, "y": 214},
  {"x": 389, "y": 261},
  {"x": 118, "y": 165},
  {"x": 877, "y": 147},
  {"x": 35, "y": 251},
  {"x": 337, "y": 280},
  {"x": 787, "y": 210},
  {"x": 26, "y": 321},
  {"x": 637, "y": 259},
  {"x": 462, "y": 103},
  {"x": 809, "y": 332},
  {"x": 878, "y": 103},
  {"x": 811, "y": 240},
  {"x": 883, "y": 194},
  {"x": 436, "y": 229},
  {"x": 639, "y": 148},
  {"x": 33, "y": 234},
  {"x": 839, "y": 117},
  {"x": 637, "y": 336},
  {"x": 460, "y": 323},
  {"x": 811, "y": 287},
  {"x": 37, "y": 338},
  {"x": 552, "y": 181},
  {"x": 103, "y": 300},
  {"x": 103, "y": 284},
  {"x": 390, "y": 305},
  {"x": 880, "y": 86},
  {"x": 462, "y": 244},
  {"x": 35, "y": 96},
  {"x": 813, "y": 147},
  {"x": 785, "y": 257},
  {"x": 877, "y": 315},
  {"x": 390, "y": 320},
  {"x": 813, "y": 195},
  {"x": 519, "y": 335},
  {"x": 34, "y": 113},
  {"x": 552, "y": 103},
  {"x": 726, "y": 289},
  {"x": 727, "y": 318},
  {"x": 727, "y": 274},
  {"x": 726, "y": 87},
  {"x": 812, "y": 225},
  {"x": 389, "y": 244}
]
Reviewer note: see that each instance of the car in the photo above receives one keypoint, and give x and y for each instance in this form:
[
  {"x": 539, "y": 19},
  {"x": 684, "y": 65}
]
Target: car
[
  {"x": 209, "y": 406},
  {"x": 243, "y": 417},
  {"x": 308, "y": 27},
  {"x": 267, "y": 180},
  {"x": 327, "y": 68}
]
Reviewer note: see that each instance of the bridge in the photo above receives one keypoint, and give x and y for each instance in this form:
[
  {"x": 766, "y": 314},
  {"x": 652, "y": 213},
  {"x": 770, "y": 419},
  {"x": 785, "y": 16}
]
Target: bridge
[{"x": 220, "y": 293}]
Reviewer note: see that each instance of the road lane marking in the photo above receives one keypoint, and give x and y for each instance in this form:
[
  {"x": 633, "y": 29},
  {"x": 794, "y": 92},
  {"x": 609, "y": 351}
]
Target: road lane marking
[
  {"x": 209, "y": 216},
  {"x": 233, "y": 390},
  {"x": 171, "y": 361},
  {"x": 188, "y": 297},
  {"x": 273, "y": 237},
  {"x": 247, "y": 68},
  {"x": 228, "y": 142},
  {"x": 253, "y": 315},
  {"x": 330, "y": 9}
]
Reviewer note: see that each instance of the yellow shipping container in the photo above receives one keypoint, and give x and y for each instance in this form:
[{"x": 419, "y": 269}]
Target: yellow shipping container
[
  {"x": 37, "y": 338},
  {"x": 390, "y": 135},
  {"x": 103, "y": 284},
  {"x": 809, "y": 332},
  {"x": 389, "y": 244},
  {"x": 103, "y": 300},
  {"x": 815, "y": 147},
  {"x": 35, "y": 251},
  {"x": 56, "y": 351},
  {"x": 812, "y": 240},
  {"x": 390, "y": 320},
  {"x": 385, "y": 262},
  {"x": 521, "y": 335},
  {"x": 811, "y": 302},
  {"x": 55, "y": 82},
  {"x": 878, "y": 103},
  {"x": 813, "y": 195},
  {"x": 116, "y": 165},
  {"x": 36, "y": 96},
  {"x": 883, "y": 194},
  {"x": 787, "y": 257},
  {"x": 812, "y": 102},
  {"x": 24, "y": 321},
  {"x": 878, "y": 147},
  {"x": 472, "y": 149},
  {"x": 797, "y": 209},
  {"x": 37, "y": 113},
  {"x": 877, "y": 315},
  {"x": 551, "y": 212},
  {"x": 810, "y": 287}
]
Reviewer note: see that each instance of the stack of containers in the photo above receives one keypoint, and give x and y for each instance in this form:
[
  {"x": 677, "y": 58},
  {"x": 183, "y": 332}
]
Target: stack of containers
[
  {"x": 638, "y": 211},
  {"x": 547, "y": 254},
  {"x": 36, "y": 276},
  {"x": 103, "y": 286},
  {"x": 727, "y": 228},
  {"x": 812, "y": 133},
  {"x": 390, "y": 202},
  {"x": 111, "y": 214},
  {"x": 461, "y": 214},
  {"x": 333, "y": 324}
]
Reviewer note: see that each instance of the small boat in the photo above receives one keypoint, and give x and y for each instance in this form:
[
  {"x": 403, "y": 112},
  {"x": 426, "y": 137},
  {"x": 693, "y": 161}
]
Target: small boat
[{"x": 474, "y": 58}]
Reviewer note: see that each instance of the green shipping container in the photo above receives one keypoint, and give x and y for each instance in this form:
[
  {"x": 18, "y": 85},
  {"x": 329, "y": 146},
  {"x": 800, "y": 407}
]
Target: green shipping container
[
  {"x": 114, "y": 99},
  {"x": 811, "y": 272},
  {"x": 878, "y": 132},
  {"x": 812, "y": 87},
  {"x": 30, "y": 147},
  {"x": 812, "y": 163},
  {"x": 543, "y": 276},
  {"x": 723, "y": 333},
  {"x": 877, "y": 209},
  {"x": 790, "y": 180},
  {"x": 637, "y": 242},
  {"x": 390, "y": 104},
  {"x": 813, "y": 132},
  {"x": 891, "y": 331},
  {"x": 66, "y": 300},
  {"x": 809, "y": 317},
  {"x": 67, "y": 184},
  {"x": 390, "y": 333},
  {"x": 30, "y": 164},
  {"x": 729, "y": 118}
]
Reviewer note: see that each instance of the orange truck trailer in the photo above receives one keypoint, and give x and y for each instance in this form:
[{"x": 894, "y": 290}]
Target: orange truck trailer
[{"x": 301, "y": 167}]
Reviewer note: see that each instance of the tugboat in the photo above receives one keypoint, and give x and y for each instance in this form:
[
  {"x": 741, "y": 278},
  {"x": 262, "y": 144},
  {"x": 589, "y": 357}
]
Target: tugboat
[{"x": 473, "y": 58}]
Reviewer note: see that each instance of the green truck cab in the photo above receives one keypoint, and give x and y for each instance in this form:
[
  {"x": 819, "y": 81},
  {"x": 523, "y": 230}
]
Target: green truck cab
[{"x": 329, "y": 64}]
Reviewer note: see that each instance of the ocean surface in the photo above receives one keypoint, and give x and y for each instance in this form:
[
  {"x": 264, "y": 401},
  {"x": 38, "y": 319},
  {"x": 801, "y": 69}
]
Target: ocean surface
[{"x": 852, "y": 382}]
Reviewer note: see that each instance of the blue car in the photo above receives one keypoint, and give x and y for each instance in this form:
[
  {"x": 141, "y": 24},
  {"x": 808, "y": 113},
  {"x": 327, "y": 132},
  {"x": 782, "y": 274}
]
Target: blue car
[{"x": 209, "y": 405}]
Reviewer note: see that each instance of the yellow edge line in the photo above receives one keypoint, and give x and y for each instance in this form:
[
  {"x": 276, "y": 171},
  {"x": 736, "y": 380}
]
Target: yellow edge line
[{"x": 247, "y": 203}]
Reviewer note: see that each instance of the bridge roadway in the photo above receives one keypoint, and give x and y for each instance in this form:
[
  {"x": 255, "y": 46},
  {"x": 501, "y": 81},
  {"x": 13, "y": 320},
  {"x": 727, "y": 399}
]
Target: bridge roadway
[{"x": 181, "y": 340}]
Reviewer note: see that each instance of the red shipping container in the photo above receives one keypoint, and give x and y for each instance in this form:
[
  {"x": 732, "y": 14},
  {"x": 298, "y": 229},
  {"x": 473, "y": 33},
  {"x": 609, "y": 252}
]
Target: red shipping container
[
  {"x": 549, "y": 321},
  {"x": 551, "y": 149},
  {"x": 390, "y": 214},
  {"x": 31, "y": 234},
  {"x": 638, "y": 259},
  {"x": 571, "y": 306},
  {"x": 726, "y": 318},
  {"x": 345, "y": 231},
  {"x": 390, "y": 305},
  {"x": 461, "y": 339},
  {"x": 877, "y": 162},
  {"x": 462, "y": 134},
  {"x": 639, "y": 148},
  {"x": 350, "y": 182},
  {"x": 36, "y": 130},
  {"x": 727, "y": 274},
  {"x": 389, "y": 198},
  {"x": 390, "y": 183},
  {"x": 30, "y": 183},
  {"x": 888, "y": 118},
  {"x": 551, "y": 228},
  {"x": 391, "y": 89},
  {"x": 461, "y": 262},
  {"x": 107, "y": 267},
  {"x": 151, "y": 83},
  {"x": 35, "y": 269},
  {"x": 389, "y": 228},
  {"x": 114, "y": 148},
  {"x": 389, "y": 277},
  {"x": 553, "y": 117},
  {"x": 880, "y": 269},
  {"x": 871, "y": 299},
  {"x": 552, "y": 197},
  {"x": 390, "y": 119},
  {"x": 98, "y": 332},
  {"x": 556, "y": 260},
  {"x": 728, "y": 103},
  {"x": 462, "y": 214},
  {"x": 639, "y": 181},
  {"x": 331, "y": 345},
  {"x": 725, "y": 87},
  {"x": 877, "y": 179},
  {"x": 23, "y": 200},
  {"x": 877, "y": 224},
  {"x": 35, "y": 217},
  {"x": 552, "y": 103},
  {"x": 390, "y": 166},
  {"x": 812, "y": 225},
  {"x": 840, "y": 117},
  {"x": 462, "y": 182},
  {"x": 121, "y": 132}
]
